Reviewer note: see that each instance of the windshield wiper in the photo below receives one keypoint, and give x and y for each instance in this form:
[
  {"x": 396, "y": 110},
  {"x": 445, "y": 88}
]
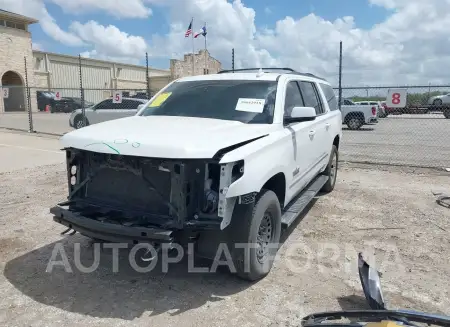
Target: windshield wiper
[{"x": 406, "y": 317}]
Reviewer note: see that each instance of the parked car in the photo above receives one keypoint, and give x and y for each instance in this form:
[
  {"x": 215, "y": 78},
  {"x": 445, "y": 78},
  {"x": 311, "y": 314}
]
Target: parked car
[
  {"x": 69, "y": 104},
  {"x": 439, "y": 100},
  {"x": 220, "y": 159},
  {"x": 381, "y": 109},
  {"x": 45, "y": 98},
  {"x": 355, "y": 116},
  {"x": 105, "y": 110}
]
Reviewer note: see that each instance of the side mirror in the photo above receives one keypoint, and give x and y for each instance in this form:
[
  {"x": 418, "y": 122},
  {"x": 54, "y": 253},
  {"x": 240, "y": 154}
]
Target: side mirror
[
  {"x": 370, "y": 282},
  {"x": 300, "y": 114}
]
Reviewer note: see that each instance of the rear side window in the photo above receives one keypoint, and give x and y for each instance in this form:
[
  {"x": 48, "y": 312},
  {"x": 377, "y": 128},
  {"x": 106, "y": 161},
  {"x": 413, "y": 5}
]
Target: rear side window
[
  {"x": 311, "y": 96},
  {"x": 330, "y": 96},
  {"x": 129, "y": 104},
  {"x": 106, "y": 104}
]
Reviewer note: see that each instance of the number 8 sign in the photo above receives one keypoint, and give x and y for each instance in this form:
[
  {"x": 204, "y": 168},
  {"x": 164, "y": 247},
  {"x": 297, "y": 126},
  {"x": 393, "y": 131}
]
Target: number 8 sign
[{"x": 396, "y": 98}]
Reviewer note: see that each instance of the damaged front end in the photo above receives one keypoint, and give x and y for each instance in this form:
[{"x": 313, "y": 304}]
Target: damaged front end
[{"x": 133, "y": 199}]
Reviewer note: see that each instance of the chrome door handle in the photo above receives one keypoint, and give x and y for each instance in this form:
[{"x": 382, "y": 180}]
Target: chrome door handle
[{"x": 327, "y": 126}]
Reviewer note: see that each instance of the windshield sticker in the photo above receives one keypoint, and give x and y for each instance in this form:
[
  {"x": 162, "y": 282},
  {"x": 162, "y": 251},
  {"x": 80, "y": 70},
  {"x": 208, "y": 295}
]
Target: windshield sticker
[
  {"x": 159, "y": 100},
  {"x": 250, "y": 105}
]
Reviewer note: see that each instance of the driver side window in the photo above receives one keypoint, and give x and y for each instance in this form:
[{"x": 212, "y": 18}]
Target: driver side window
[{"x": 293, "y": 98}]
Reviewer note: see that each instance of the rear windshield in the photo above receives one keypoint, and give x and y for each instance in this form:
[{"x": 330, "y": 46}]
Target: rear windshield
[{"x": 251, "y": 102}]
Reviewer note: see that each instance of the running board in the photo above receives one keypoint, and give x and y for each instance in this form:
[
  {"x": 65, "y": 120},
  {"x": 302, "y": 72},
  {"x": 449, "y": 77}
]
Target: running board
[{"x": 301, "y": 201}]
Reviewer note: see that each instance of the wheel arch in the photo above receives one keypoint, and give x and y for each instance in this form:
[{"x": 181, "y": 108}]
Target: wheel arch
[{"x": 277, "y": 184}]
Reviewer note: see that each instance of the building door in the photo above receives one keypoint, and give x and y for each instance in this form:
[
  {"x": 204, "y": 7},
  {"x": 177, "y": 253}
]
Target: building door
[{"x": 16, "y": 92}]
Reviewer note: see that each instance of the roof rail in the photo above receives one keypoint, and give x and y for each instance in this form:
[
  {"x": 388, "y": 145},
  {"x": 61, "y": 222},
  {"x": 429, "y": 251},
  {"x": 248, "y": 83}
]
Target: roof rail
[
  {"x": 258, "y": 68},
  {"x": 309, "y": 74},
  {"x": 288, "y": 70}
]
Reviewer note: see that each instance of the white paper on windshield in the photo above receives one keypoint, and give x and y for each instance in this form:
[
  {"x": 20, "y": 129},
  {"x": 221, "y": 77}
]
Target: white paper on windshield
[{"x": 250, "y": 105}]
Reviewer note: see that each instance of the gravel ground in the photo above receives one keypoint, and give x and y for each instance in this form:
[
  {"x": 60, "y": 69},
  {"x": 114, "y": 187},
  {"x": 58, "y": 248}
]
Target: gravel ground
[
  {"x": 414, "y": 140},
  {"x": 390, "y": 212}
]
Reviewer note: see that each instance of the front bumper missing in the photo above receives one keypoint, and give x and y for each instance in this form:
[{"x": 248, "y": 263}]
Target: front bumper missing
[{"x": 108, "y": 231}]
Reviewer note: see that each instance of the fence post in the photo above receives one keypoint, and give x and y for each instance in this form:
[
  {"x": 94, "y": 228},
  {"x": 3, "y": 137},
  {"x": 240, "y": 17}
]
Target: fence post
[
  {"x": 83, "y": 113},
  {"x": 340, "y": 75},
  {"x": 30, "y": 115},
  {"x": 148, "y": 77},
  {"x": 232, "y": 59}
]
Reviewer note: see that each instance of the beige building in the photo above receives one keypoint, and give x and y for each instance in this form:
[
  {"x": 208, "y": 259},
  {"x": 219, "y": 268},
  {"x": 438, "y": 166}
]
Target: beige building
[
  {"x": 203, "y": 64},
  {"x": 15, "y": 46},
  {"x": 57, "y": 72}
]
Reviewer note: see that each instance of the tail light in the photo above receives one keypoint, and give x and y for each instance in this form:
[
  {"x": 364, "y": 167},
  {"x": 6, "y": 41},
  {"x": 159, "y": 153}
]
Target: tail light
[{"x": 374, "y": 111}]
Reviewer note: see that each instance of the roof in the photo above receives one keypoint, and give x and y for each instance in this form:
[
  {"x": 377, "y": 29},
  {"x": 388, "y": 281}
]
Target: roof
[
  {"x": 167, "y": 71},
  {"x": 231, "y": 76},
  {"x": 249, "y": 76},
  {"x": 15, "y": 16}
]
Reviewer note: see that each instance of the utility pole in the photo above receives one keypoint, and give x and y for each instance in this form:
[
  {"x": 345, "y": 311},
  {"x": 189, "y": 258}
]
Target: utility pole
[
  {"x": 340, "y": 75},
  {"x": 232, "y": 59}
]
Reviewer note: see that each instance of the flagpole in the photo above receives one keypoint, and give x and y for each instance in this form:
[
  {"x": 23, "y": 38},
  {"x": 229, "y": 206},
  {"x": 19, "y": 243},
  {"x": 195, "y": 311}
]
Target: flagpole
[
  {"x": 193, "y": 48},
  {"x": 206, "y": 70}
]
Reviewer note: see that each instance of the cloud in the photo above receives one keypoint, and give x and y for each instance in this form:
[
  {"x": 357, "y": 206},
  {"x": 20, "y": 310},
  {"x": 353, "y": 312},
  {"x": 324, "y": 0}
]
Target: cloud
[
  {"x": 37, "y": 9},
  {"x": 116, "y": 8},
  {"x": 411, "y": 45},
  {"x": 109, "y": 42},
  {"x": 37, "y": 46}
]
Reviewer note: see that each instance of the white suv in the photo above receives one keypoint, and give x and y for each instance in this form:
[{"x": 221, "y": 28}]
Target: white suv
[{"x": 229, "y": 158}]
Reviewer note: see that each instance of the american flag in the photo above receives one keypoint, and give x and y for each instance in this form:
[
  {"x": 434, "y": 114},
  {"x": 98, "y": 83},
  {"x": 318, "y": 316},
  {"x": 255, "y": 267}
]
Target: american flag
[{"x": 189, "y": 30}]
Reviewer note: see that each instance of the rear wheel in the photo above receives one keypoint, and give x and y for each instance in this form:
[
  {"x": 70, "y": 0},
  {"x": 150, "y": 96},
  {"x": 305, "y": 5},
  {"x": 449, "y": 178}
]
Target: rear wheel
[
  {"x": 447, "y": 113},
  {"x": 331, "y": 171},
  {"x": 255, "y": 235},
  {"x": 355, "y": 123}
]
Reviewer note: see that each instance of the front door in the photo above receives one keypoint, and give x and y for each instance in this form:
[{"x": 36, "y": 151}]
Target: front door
[{"x": 303, "y": 143}]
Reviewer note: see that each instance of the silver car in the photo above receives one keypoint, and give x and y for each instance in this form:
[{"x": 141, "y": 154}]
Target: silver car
[
  {"x": 106, "y": 110},
  {"x": 439, "y": 100}
]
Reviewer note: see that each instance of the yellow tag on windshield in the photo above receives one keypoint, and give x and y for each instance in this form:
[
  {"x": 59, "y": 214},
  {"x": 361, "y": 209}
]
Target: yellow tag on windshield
[{"x": 159, "y": 100}]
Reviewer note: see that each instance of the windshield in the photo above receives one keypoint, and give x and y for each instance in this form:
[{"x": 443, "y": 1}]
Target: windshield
[{"x": 251, "y": 102}]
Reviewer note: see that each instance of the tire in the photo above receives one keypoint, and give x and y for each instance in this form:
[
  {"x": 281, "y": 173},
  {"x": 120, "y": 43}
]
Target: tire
[
  {"x": 437, "y": 102},
  {"x": 331, "y": 171},
  {"x": 355, "y": 123},
  {"x": 250, "y": 223},
  {"x": 78, "y": 122},
  {"x": 447, "y": 113}
]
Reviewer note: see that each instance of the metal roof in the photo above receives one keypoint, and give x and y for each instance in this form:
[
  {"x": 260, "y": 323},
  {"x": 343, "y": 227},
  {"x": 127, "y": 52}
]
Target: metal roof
[{"x": 15, "y": 16}]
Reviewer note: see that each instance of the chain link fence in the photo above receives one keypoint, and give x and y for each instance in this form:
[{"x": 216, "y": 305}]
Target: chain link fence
[{"x": 416, "y": 134}]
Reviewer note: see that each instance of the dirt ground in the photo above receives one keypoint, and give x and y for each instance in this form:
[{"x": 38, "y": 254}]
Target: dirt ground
[{"x": 388, "y": 211}]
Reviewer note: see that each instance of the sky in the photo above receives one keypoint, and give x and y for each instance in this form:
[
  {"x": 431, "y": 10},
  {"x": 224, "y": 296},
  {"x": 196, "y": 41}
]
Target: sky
[{"x": 385, "y": 42}]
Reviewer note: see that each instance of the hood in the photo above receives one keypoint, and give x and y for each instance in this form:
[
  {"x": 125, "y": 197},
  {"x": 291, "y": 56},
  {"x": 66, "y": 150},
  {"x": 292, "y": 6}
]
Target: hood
[{"x": 164, "y": 136}]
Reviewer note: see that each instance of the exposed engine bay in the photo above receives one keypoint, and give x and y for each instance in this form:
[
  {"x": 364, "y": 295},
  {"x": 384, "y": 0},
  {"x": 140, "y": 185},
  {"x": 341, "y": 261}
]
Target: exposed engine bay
[{"x": 148, "y": 192}]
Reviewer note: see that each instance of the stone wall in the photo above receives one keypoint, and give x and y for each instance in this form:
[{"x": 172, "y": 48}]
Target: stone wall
[
  {"x": 182, "y": 68},
  {"x": 15, "y": 45}
]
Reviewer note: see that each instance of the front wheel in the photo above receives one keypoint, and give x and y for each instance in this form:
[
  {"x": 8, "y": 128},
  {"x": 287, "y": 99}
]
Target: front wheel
[
  {"x": 255, "y": 236},
  {"x": 437, "y": 102},
  {"x": 79, "y": 123}
]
